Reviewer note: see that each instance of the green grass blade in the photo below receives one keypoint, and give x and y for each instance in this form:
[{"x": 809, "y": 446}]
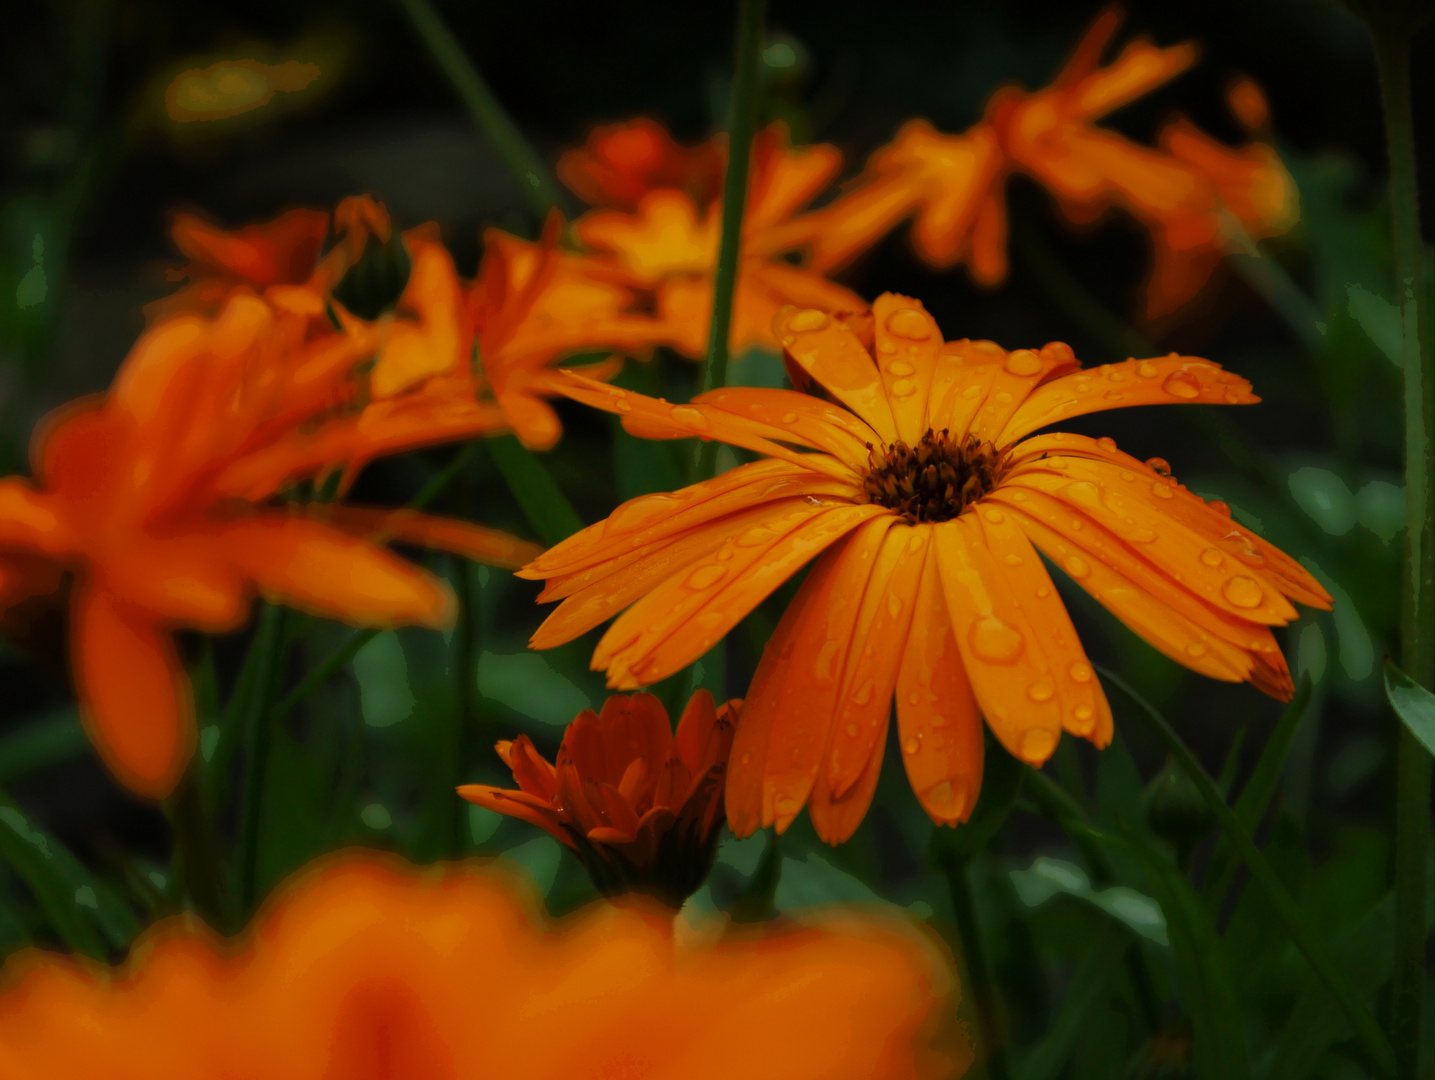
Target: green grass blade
[
  {"x": 1412, "y": 703},
  {"x": 41, "y": 743},
  {"x": 539, "y": 496},
  {"x": 1086, "y": 990}
]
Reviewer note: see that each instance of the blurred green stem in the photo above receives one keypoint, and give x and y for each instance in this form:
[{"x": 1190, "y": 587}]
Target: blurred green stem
[
  {"x": 539, "y": 496},
  {"x": 487, "y": 114},
  {"x": 741, "y": 125},
  {"x": 1417, "y": 616},
  {"x": 992, "y": 1051},
  {"x": 195, "y": 858},
  {"x": 1366, "y": 1029},
  {"x": 259, "y": 722}
]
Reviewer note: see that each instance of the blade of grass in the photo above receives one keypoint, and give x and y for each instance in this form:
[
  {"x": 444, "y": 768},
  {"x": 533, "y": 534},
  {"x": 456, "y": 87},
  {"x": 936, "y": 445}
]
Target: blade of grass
[
  {"x": 1255, "y": 798},
  {"x": 992, "y": 1046},
  {"x": 1086, "y": 990},
  {"x": 41, "y": 743},
  {"x": 1371, "y": 1037},
  {"x": 539, "y": 188},
  {"x": 1412, "y": 703},
  {"x": 539, "y": 496},
  {"x": 258, "y": 726}
]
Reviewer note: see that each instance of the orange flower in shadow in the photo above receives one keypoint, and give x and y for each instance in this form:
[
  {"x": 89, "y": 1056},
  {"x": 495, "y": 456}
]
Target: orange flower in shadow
[
  {"x": 1183, "y": 193},
  {"x": 280, "y": 259},
  {"x": 640, "y": 807},
  {"x": 669, "y": 244},
  {"x": 918, "y": 485},
  {"x": 147, "y": 496},
  {"x": 620, "y": 163},
  {"x": 364, "y": 968}
]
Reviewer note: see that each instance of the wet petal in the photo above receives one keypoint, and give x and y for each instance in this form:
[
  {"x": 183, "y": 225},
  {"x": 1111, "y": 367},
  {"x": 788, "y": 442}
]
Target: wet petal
[
  {"x": 906, "y": 347},
  {"x": 503, "y": 802},
  {"x": 829, "y": 351}
]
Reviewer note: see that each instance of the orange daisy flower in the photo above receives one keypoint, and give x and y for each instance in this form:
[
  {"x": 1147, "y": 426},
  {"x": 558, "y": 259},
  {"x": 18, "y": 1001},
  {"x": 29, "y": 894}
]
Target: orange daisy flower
[
  {"x": 148, "y": 497},
  {"x": 620, "y": 163},
  {"x": 362, "y": 967},
  {"x": 641, "y": 808},
  {"x": 275, "y": 258},
  {"x": 954, "y": 184},
  {"x": 669, "y": 244},
  {"x": 920, "y": 487}
]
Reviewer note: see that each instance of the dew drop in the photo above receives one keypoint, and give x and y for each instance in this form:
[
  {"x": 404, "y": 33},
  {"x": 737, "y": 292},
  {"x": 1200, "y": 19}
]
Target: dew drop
[
  {"x": 745, "y": 759},
  {"x": 909, "y": 323},
  {"x": 1182, "y": 384},
  {"x": 1159, "y": 465},
  {"x": 1043, "y": 592},
  {"x": 1162, "y": 490},
  {"x": 1116, "y": 376},
  {"x": 724, "y": 553},
  {"x": 904, "y": 388},
  {"x": 1040, "y": 691},
  {"x": 1001, "y": 397},
  {"x": 863, "y": 694},
  {"x": 686, "y": 414},
  {"x": 1219, "y": 507},
  {"x": 1128, "y": 475},
  {"x": 1113, "y": 395},
  {"x": 1022, "y": 362},
  {"x": 754, "y": 536},
  {"x": 810, "y": 319},
  {"x": 1212, "y": 557},
  {"x": 1037, "y": 745},
  {"x": 640, "y": 512},
  {"x": 917, "y": 540},
  {"x": 894, "y": 605},
  {"x": 995, "y": 516},
  {"x": 1019, "y": 496},
  {"x": 1084, "y": 492},
  {"x": 946, "y": 801},
  {"x": 911, "y": 746},
  {"x": 789, "y": 418},
  {"x": 1076, "y": 566},
  {"x": 822, "y": 668},
  {"x": 1147, "y": 370},
  {"x": 900, "y": 367},
  {"x": 705, "y": 577},
  {"x": 1080, "y": 671},
  {"x": 972, "y": 391},
  {"x": 914, "y": 698},
  {"x": 1195, "y": 649},
  {"x": 1107, "y": 443},
  {"x": 994, "y": 641},
  {"x": 852, "y": 730},
  {"x": 886, "y": 348},
  {"x": 1244, "y": 592},
  {"x": 623, "y": 405},
  {"x": 1013, "y": 559}
]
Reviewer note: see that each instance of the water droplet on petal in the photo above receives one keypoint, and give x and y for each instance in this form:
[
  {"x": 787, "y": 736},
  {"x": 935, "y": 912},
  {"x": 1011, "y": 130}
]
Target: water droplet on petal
[
  {"x": 1083, "y": 491},
  {"x": 994, "y": 641},
  {"x": 945, "y": 800},
  {"x": 886, "y": 348},
  {"x": 823, "y": 667},
  {"x": 1219, "y": 507},
  {"x": 1022, "y": 362},
  {"x": 1128, "y": 475},
  {"x": 1076, "y": 566},
  {"x": 1182, "y": 384},
  {"x": 1037, "y": 745},
  {"x": 972, "y": 391},
  {"x": 1195, "y": 649},
  {"x": 917, "y": 540},
  {"x": 909, "y": 323},
  {"x": 1212, "y": 557},
  {"x": 1142, "y": 535},
  {"x": 745, "y": 759},
  {"x": 1043, "y": 592},
  {"x": 640, "y": 512},
  {"x": 900, "y": 367},
  {"x": 995, "y": 516},
  {"x": 789, "y": 418},
  {"x": 1041, "y": 691},
  {"x": 1080, "y": 671},
  {"x": 904, "y": 387},
  {"x": 1083, "y": 717},
  {"x": 758, "y": 534},
  {"x": 1244, "y": 592},
  {"x": 1162, "y": 490},
  {"x": 1012, "y": 559},
  {"x": 724, "y": 553},
  {"x": 687, "y": 415},
  {"x": 894, "y": 605},
  {"x": 705, "y": 577},
  {"x": 1147, "y": 370},
  {"x": 863, "y": 694},
  {"x": 1107, "y": 443},
  {"x": 810, "y": 319},
  {"x": 911, "y": 746},
  {"x": 852, "y": 730}
]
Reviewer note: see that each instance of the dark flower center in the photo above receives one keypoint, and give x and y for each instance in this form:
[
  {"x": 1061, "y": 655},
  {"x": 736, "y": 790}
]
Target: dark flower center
[{"x": 936, "y": 479}]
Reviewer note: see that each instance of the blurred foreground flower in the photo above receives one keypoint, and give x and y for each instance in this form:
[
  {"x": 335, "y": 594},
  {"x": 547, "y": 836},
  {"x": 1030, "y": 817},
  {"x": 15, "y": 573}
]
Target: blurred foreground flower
[
  {"x": 924, "y": 487},
  {"x": 365, "y": 969},
  {"x": 668, "y": 242},
  {"x": 1190, "y": 194},
  {"x": 641, "y": 808},
  {"x": 159, "y": 498},
  {"x": 231, "y": 87}
]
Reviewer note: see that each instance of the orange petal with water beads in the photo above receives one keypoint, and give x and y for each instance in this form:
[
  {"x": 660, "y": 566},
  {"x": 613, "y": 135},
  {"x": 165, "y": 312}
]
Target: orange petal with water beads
[
  {"x": 829, "y": 351},
  {"x": 1021, "y": 370},
  {"x": 794, "y": 417},
  {"x": 907, "y": 341},
  {"x": 964, "y": 376},
  {"x": 938, "y": 723},
  {"x": 997, "y": 640},
  {"x": 835, "y": 818}
]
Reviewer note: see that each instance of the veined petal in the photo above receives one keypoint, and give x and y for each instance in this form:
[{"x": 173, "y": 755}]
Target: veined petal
[
  {"x": 906, "y": 347},
  {"x": 998, "y": 642},
  {"x": 808, "y": 420},
  {"x": 829, "y": 351},
  {"x": 806, "y": 690},
  {"x": 319, "y": 569},
  {"x": 1020, "y": 372},
  {"x": 1084, "y": 709},
  {"x": 938, "y": 723},
  {"x": 878, "y": 641},
  {"x": 964, "y": 376},
  {"x": 836, "y": 817},
  {"x": 1167, "y": 380},
  {"x": 684, "y": 617},
  {"x": 134, "y": 696}
]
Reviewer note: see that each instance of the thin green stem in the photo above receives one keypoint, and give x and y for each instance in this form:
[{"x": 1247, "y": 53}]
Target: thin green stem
[
  {"x": 742, "y": 124},
  {"x": 259, "y": 723},
  {"x": 539, "y": 496},
  {"x": 322, "y": 672},
  {"x": 539, "y": 187},
  {"x": 1366, "y": 1029},
  {"x": 195, "y": 861},
  {"x": 982, "y": 989},
  {"x": 1417, "y": 615}
]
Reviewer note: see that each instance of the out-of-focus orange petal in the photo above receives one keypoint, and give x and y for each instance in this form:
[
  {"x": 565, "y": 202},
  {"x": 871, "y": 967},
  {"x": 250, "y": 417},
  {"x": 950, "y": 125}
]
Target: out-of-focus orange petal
[
  {"x": 416, "y": 351},
  {"x": 282, "y": 250},
  {"x": 475, "y": 542},
  {"x": 134, "y": 696}
]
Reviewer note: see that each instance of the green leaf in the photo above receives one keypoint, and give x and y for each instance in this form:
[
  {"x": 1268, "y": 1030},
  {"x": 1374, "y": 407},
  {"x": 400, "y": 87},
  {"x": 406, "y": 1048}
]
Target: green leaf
[
  {"x": 1084, "y": 993},
  {"x": 526, "y": 683},
  {"x": 539, "y": 496},
  {"x": 85, "y": 912},
  {"x": 40, "y": 744},
  {"x": 1412, "y": 703},
  {"x": 815, "y": 882},
  {"x": 1048, "y": 877}
]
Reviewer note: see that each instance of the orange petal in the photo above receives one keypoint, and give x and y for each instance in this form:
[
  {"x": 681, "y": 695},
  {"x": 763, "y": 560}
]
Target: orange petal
[
  {"x": 999, "y": 643},
  {"x": 987, "y": 258},
  {"x": 697, "y": 723},
  {"x": 1084, "y": 709},
  {"x": 810, "y": 421},
  {"x": 503, "y": 802},
  {"x": 835, "y": 818},
  {"x": 907, "y": 343},
  {"x": 938, "y": 722},
  {"x": 1022, "y": 370},
  {"x": 878, "y": 641},
  {"x": 1139, "y": 69},
  {"x": 319, "y": 569},
  {"x": 134, "y": 697},
  {"x": 533, "y": 773},
  {"x": 964, "y": 375},
  {"x": 829, "y": 351},
  {"x": 28, "y": 520},
  {"x": 1167, "y": 380},
  {"x": 474, "y": 542}
]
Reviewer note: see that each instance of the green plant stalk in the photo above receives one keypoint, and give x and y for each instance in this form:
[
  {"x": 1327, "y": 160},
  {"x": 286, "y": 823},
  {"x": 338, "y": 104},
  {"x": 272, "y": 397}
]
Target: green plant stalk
[
  {"x": 195, "y": 859},
  {"x": 539, "y": 187},
  {"x": 1417, "y": 615},
  {"x": 259, "y": 723},
  {"x": 1366, "y": 1029},
  {"x": 539, "y": 496},
  {"x": 742, "y": 125},
  {"x": 983, "y": 990}
]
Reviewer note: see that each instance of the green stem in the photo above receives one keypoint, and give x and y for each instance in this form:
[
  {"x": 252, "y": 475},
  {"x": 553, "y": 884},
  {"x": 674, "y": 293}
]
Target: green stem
[
  {"x": 1417, "y": 616},
  {"x": 1366, "y": 1029},
  {"x": 195, "y": 861},
  {"x": 742, "y": 124},
  {"x": 322, "y": 672},
  {"x": 259, "y": 723},
  {"x": 539, "y": 496},
  {"x": 539, "y": 188},
  {"x": 982, "y": 988}
]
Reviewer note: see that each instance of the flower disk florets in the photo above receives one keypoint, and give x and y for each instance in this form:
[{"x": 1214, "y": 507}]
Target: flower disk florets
[{"x": 936, "y": 479}]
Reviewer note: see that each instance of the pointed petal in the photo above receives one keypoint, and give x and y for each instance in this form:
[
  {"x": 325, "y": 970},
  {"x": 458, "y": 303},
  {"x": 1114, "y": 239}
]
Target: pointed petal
[
  {"x": 135, "y": 699},
  {"x": 964, "y": 376},
  {"x": 829, "y": 351},
  {"x": 809, "y": 420},
  {"x": 1021, "y": 371},
  {"x": 489, "y": 546},
  {"x": 698, "y": 721},
  {"x": 533, "y": 774},
  {"x": 835, "y": 818},
  {"x": 999, "y": 643},
  {"x": 938, "y": 723},
  {"x": 502, "y": 802},
  {"x": 906, "y": 347}
]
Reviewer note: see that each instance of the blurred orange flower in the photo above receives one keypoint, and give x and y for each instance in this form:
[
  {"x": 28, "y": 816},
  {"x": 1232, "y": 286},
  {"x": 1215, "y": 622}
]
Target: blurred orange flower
[
  {"x": 641, "y": 808},
  {"x": 919, "y": 486},
  {"x": 620, "y": 163},
  {"x": 146, "y": 494},
  {"x": 364, "y": 968},
  {"x": 669, "y": 244},
  {"x": 1187, "y": 193}
]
